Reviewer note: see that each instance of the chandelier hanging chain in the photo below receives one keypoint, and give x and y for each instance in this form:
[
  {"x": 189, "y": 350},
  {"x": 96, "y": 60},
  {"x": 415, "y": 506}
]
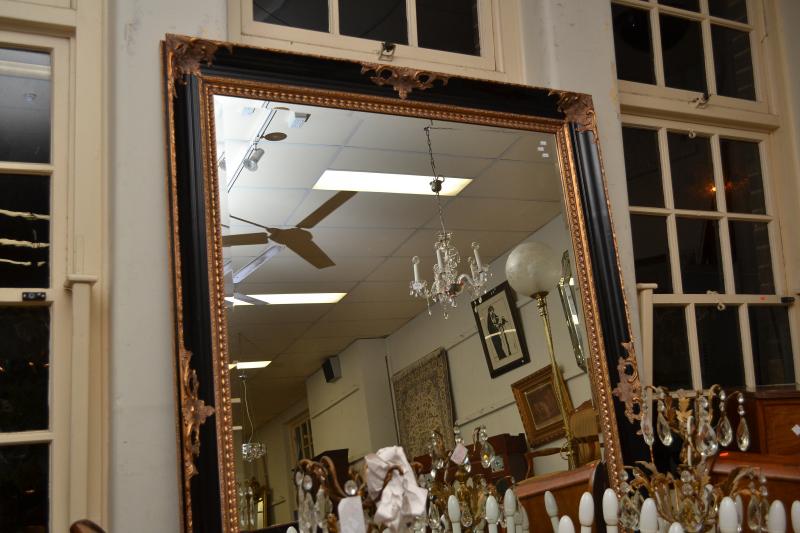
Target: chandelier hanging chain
[
  {"x": 436, "y": 184},
  {"x": 247, "y": 407}
]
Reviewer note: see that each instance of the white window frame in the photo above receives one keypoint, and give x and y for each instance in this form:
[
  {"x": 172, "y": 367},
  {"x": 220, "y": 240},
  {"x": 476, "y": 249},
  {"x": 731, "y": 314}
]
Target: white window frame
[
  {"x": 729, "y": 296},
  {"x": 498, "y": 21},
  {"x": 636, "y": 95},
  {"x": 57, "y": 300}
]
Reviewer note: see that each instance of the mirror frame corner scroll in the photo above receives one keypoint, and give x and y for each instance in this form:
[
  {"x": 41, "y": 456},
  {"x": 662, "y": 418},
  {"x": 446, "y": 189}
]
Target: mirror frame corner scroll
[{"x": 194, "y": 70}]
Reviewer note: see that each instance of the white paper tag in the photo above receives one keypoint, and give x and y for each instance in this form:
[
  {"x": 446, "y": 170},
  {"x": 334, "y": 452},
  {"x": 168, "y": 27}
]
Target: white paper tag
[
  {"x": 351, "y": 515},
  {"x": 796, "y": 429},
  {"x": 459, "y": 454}
]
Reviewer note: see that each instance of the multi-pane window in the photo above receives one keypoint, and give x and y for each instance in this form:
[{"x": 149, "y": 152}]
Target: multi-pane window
[
  {"x": 445, "y": 25},
  {"x": 29, "y": 283},
  {"x": 703, "y": 46},
  {"x": 302, "y": 441},
  {"x": 704, "y": 232}
]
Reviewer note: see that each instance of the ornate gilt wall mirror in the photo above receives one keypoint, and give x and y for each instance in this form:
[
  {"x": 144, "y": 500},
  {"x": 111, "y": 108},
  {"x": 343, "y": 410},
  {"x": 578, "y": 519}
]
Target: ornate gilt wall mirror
[{"x": 293, "y": 177}]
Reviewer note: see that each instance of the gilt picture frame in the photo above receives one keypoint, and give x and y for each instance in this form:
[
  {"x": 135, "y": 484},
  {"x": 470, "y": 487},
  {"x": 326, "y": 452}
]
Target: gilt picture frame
[
  {"x": 500, "y": 330},
  {"x": 538, "y": 405}
]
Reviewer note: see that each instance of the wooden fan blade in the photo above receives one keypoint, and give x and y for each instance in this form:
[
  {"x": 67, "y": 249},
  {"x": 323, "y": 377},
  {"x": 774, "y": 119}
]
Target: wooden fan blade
[
  {"x": 244, "y": 239},
  {"x": 326, "y": 209},
  {"x": 301, "y": 242}
]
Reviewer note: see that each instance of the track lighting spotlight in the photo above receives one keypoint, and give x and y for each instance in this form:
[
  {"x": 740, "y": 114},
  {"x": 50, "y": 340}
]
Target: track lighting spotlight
[{"x": 251, "y": 163}]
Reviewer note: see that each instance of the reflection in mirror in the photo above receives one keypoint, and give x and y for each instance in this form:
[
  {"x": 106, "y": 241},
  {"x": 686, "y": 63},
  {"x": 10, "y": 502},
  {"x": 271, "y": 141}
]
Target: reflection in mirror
[{"x": 322, "y": 211}]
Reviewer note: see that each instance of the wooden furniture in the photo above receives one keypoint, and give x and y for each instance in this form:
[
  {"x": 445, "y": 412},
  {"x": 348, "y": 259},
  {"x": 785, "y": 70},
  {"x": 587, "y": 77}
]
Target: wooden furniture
[
  {"x": 85, "y": 526},
  {"x": 585, "y": 438},
  {"x": 772, "y": 412},
  {"x": 567, "y": 488},
  {"x": 509, "y": 452}
]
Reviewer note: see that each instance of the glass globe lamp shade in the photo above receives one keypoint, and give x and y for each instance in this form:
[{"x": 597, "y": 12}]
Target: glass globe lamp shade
[{"x": 533, "y": 268}]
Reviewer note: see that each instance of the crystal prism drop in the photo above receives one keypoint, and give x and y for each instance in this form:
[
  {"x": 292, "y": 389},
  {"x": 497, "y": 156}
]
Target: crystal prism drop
[
  {"x": 743, "y": 435},
  {"x": 487, "y": 454},
  {"x": 754, "y": 514},
  {"x": 724, "y": 431},
  {"x": 466, "y": 516},
  {"x": 647, "y": 428},
  {"x": 433, "y": 517},
  {"x": 664, "y": 433},
  {"x": 629, "y": 513},
  {"x": 706, "y": 440}
]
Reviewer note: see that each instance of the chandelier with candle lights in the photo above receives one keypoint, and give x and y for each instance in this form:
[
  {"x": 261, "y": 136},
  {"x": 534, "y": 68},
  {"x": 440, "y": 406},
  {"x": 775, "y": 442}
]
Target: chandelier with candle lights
[{"x": 447, "y": 282}]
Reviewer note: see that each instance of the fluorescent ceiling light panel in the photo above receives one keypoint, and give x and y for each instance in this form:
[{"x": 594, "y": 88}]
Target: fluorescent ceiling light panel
[
  {"x": 236, "y": 301},
  {"x": 300, "y": 298},
  {"x": 352, "y": 180},
  {"x": 248, "y": 365}
]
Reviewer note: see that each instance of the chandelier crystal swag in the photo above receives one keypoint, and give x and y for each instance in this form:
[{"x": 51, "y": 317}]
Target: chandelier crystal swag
[{"x": 447, "y": 282}]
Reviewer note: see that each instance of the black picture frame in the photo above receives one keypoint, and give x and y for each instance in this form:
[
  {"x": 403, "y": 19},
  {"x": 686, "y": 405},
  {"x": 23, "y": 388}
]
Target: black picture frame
[{"x": 506, "y": 342}]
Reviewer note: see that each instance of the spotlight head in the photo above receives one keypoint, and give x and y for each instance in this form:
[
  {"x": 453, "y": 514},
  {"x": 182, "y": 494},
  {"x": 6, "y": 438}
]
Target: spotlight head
[{"x": 251, "y": 163}]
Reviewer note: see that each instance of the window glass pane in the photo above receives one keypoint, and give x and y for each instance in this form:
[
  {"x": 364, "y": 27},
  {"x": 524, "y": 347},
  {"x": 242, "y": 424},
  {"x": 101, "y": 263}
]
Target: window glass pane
[
  {"x": 698, "y": 245},
  {"x": 692, "y": 172},
  {"x": 307, "y": 14},
  {"x": 720, "y": 346},
  {"x": 24, "y": 488},
  {"x": 671, "y": 366},
  {"x": 682, "y": 46},
  {"x": 650, "y": 251},
  {"x": 752, "y": 261},
  {"x": 732, "y": 62},
  {"x": 741, "y": 168},
  {"x": 691, "y": 5},
  {"x": 728, "y": 9},
  {"x": 772, "y": 345},
  {"x": 24, "y": 106},
  {"x": 632, "y": 44},
  {"x": 642, "y": 167},
  {"x": 24, "y": 368},
  {"x": 379, "y": 20},
  {"x": 24, "y": 230},
  {"x": 449, "y": 25}
]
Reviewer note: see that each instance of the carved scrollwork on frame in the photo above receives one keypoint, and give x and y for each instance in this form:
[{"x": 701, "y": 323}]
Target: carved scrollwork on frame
[
  {"x": 629, "y": 388},
  {"x": 194, "y": 411},
  {"x": 403, "y": 80},
  {"x": 579, "y": 109},
  {"x": 186, "y": 54}
]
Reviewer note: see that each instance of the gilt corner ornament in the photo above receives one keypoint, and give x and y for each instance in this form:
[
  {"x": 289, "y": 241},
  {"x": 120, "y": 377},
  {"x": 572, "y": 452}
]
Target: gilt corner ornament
[
  {"x": 578, "y": 108},
  {"x": 194, "y": 411},
  {"x": 403, "y": 80},
  {"x": 185, "y": 55},
  {"x": 629, "y": 388}
]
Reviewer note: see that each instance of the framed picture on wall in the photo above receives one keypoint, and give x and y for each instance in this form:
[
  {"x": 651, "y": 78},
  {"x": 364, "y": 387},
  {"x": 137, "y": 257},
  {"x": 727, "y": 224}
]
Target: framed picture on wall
[
  {"x": 538, "y": 405},
  {"x": 500, "y": 330}
]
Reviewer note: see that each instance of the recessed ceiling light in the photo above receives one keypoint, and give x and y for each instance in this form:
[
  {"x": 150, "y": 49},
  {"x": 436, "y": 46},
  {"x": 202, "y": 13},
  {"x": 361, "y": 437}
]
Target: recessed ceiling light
[
  {"x": 300, "y": 298},
  {"x": 274, "y": 136},
  {"x": 236, "y": 301},
  {"x": 248, "y": 365},
  {"x": 351, "y": 180}
]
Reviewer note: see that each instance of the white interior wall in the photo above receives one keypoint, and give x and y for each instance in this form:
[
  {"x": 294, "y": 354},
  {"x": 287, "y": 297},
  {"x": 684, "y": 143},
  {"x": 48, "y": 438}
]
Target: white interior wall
[{"x": 143, "y": 476}]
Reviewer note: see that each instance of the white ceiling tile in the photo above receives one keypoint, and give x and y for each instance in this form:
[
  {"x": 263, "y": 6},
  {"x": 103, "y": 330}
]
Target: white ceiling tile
[
  {"x": 288, "y": 166},
  {"x": 492, "y": 243},
  {"x": 370, "y": 210},
  {"x": 362, "y": 329},
  {"x": 325, "y": 126},
  {"x": 417, "y": 163},
  {"x": 497, "y": 215},
  {"x": 520, "y": 180},
  {"x": 527, "y": 147},
  {"x": 359, "y": 242},
  {"x": 265, "y": 207},
  {"x": 379, "y": 291},
  {"x": 287, "y": 267},
  {"x": 367, "y": 311},
  {"x": 400, "y": 269}
]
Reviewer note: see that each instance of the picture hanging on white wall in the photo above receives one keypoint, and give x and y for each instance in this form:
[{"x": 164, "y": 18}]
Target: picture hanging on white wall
[{"x": 500, "y": 330}]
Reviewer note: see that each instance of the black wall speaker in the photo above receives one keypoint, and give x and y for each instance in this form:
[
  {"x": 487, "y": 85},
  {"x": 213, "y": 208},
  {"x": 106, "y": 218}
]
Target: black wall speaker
[{"x": 332, "y": 369}]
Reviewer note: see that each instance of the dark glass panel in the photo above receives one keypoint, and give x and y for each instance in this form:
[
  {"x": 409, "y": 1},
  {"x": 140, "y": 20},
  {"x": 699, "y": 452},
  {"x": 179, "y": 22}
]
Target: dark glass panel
[
  {"x": 25, "y": 261},
  {"x": 741, "y": 169},
  {"x": 752, "y": 261},
  {"x": 642, "y": 167},
  {"x": 24, "y": 486},
  {"x": 701, "y": 263},
  {"x": 25, "y": 94},
  {"x": 632, "y": 44},
  {"x": 650, "y": 251},
  {"x": 720, "y": 344},
  {"x": 671, "y": 367},
  {"x": 306, "y": 14},
  {"x": 692, "y": 172},
  {"x": 24, "y": 368},
  {"x": 728, "y": 9},
  {"x": 682, "y": 47},
  {"x": 772, "y": 344},
  {"x": 449, "y": 25},
  {"x": 691, "y": 5},
  {"x": 379, "y": 20},
  {"x": 733, "y": 63}
]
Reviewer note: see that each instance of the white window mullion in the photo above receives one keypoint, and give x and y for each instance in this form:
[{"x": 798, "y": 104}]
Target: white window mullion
[
  {"x": 333, "y": 16},
  {"x": 669, "y": 204},
  {"x": 694, "y": 347},
  {"x": 724, "y": 233},
  {"x": 26, "y": 437},
  {"x": 747, "y": 347},
  {"x": 411, "y": 17},
  {"x": 658, "y": 58}
]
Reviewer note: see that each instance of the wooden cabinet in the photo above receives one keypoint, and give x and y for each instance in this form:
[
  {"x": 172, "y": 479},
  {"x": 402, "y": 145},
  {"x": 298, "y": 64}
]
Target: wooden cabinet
[{"x": 772, "y": 414}]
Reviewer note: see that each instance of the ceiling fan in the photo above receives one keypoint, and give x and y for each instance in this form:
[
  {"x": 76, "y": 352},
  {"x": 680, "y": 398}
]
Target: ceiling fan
[{"x": 298, "y": 239}]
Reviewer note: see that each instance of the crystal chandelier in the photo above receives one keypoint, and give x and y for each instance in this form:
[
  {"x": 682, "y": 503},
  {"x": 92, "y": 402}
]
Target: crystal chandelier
[
  {"x": 447, "y": 282},
  {"x": 700, "y": 421},
  {"x": 251, "y": 451}
]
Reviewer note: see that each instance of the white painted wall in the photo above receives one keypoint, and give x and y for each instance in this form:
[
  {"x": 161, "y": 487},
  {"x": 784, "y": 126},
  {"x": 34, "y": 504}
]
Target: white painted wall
[{"x": 143, "y": 482}]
